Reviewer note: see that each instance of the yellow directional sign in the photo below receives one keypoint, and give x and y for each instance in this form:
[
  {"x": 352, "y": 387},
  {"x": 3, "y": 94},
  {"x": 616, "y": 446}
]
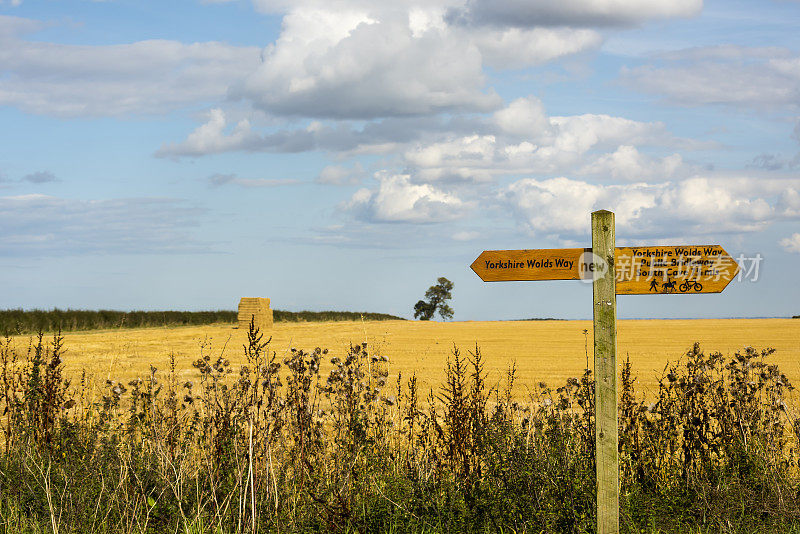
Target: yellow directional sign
[
  {"x": 675, "y": 269},
  {"x": 538, "y": 264},
  {"x": 656, "y": 270}
]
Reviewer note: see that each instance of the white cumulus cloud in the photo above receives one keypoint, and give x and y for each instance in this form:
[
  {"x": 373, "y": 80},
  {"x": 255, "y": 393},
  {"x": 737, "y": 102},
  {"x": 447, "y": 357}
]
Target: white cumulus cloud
[
  {"x": 527, "y": 140},
  {"x": 627, "y": 163},
  {"x": 515, "y": 48},
  {"x": 346, "y": 64},
  {"x": 523, "y": 117},
  {"x": 397, "y": 199},
  {"x": 212, "y": 137},
  {"x": 694, "y": 206},
  {"x": 791, "y": 244}
]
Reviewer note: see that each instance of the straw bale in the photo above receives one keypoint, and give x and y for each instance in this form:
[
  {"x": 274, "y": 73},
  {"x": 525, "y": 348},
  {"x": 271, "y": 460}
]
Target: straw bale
[{"x": 255, "y": 308}]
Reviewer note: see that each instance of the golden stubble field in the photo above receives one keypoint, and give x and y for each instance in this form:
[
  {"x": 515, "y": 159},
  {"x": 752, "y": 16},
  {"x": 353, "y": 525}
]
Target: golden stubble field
[{"x": 549, "y": 351}]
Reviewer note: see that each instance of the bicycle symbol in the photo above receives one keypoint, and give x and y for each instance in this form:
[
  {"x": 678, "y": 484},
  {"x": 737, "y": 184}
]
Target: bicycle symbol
[{"x": 689, "y": 285}]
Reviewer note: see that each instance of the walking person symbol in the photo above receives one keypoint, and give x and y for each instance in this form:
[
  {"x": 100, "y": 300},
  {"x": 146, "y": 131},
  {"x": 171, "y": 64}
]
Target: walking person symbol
[{"x": 654, "y": 285}]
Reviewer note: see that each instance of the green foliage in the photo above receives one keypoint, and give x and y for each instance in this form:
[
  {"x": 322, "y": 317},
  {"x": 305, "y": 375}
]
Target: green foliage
[
  {"x": 424, "y": 310},
  {"x": 25, "y": 322},
  {"x": 437, "y": 296},
  {"x": 278, "y": 446},
  {"x": 312, "y": 317}
]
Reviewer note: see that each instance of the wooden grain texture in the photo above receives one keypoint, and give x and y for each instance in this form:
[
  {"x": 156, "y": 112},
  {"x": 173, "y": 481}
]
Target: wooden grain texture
[
  {"x": 533, "y": 264},
  {"x": 687, "y": 270},
  {"x": 605, "y": 368}
]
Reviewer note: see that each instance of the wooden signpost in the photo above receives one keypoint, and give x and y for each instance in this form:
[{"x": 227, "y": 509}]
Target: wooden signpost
[
  {"x": 638, "y": 270},
  {"x": 654, "y": 270},
  {"x": 605, "y": 376}
]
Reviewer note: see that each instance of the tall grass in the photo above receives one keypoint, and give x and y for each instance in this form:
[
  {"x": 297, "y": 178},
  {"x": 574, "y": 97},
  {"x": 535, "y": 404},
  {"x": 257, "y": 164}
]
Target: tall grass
[
  {"x": 275, "y": 446},
  {"x": 19, "y": 321}
]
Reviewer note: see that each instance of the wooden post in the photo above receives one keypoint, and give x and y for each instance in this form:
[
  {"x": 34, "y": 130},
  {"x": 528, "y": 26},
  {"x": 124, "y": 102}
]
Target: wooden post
[
  {"x": 571, "y": 264},
  {"x": 605, "y": 374}
]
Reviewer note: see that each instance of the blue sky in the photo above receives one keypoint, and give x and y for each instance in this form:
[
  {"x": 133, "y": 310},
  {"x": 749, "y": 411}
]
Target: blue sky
[{"x": 343, "y": 154}]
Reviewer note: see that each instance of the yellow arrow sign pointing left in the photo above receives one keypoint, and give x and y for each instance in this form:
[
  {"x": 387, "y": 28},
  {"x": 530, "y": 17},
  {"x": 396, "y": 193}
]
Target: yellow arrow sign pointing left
[{"x": 535, "y": 264}]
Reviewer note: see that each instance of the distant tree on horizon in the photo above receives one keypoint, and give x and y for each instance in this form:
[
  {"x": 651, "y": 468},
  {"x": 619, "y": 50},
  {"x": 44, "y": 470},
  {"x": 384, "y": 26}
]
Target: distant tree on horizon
[{"x": 437, "y": 296}]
